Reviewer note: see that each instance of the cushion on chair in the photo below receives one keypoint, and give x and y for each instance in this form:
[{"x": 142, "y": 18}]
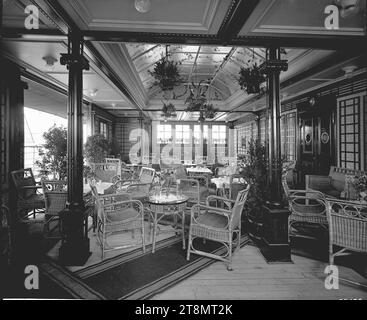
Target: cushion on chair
[
  {"x": 332, "y": 192},
  {"x": 122, "y": 215},
  {"x": 338, "y": 184},
  {"x": 213, "y": 220}
]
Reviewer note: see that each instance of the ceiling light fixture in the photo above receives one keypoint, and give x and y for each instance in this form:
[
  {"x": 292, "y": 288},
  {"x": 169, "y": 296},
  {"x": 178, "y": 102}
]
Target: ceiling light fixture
[
  {"x": 50, "y": 62},
  {"x": 143, "y": 6}
]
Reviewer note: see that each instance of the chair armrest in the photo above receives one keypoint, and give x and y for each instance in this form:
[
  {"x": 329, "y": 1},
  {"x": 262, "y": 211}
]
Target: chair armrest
[
  {"x": 221, "y": 211},
  {"x": 317, "y": 182},
  {"x": 30, "y": 187},
  {"x": 218, "y": 198}
]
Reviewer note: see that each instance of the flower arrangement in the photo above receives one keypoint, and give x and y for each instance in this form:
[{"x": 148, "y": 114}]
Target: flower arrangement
[
  {"x": 166, "y": 74},
  {"x": 360, "y": 185},
  {"x": 251, "y": 78}
]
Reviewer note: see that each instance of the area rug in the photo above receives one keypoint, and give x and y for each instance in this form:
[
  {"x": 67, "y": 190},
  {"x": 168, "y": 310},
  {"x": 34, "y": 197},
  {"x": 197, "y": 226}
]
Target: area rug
[{"x": 135, "y": 275}]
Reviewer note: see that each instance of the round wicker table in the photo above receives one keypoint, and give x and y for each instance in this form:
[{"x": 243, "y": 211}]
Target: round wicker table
[{"x": 161, "y": 206}]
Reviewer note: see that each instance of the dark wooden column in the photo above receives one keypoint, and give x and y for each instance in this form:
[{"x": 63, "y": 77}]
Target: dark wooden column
[
  {"x": 75, "y": 244},
  {"x": 275, "y": 215}
]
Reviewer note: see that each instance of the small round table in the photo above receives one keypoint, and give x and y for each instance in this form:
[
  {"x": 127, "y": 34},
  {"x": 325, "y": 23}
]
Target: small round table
[{"x": 164, "y": 205}]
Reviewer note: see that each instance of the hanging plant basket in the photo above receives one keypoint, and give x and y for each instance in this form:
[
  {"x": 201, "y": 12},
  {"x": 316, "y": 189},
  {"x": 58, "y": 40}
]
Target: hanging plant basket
[
  {"x": 166, "y": 74},
  {"x": 169, "y": 110},
  {"x": 251, "y": 79}
]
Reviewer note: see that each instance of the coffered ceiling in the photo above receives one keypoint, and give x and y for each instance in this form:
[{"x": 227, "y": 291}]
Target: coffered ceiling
[{"x": 209, "y": 39}]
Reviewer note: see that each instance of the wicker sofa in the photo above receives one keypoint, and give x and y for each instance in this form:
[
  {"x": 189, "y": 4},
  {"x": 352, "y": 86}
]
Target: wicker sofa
[{"x": 334, "y": 184}]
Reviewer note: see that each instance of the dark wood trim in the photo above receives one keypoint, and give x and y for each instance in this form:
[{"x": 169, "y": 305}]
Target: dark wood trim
[
  {"x": 57, "y": 14},
  {"x": 40, "y": 35},
  {"x": 238, "y": 13},
  {"x": 355, "y": 44}
]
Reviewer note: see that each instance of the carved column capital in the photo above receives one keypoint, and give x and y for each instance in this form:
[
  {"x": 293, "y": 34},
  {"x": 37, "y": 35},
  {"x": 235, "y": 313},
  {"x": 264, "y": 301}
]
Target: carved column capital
[{"x": 271, "y": 66}]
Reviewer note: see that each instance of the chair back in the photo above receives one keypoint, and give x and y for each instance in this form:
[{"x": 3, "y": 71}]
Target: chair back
[
  {"x": 147, "y": 175},
  {"x": 105, "y": 171},
  {"x": 347, "y": 224},
  {"x": 105, "y": 204},
  {"x": 238, "y": 207},
  {"x": 56, "y": 196},
  {"x": 236, "y": 183},
  {"x": 24, "y": 178}
]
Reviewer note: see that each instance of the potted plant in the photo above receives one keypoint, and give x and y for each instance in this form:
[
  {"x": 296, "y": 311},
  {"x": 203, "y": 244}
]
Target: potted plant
[
  {"x": 251, "y": 79},
  {"x": 96, "y": 148},
  {"x": 166, "y": 74},
  {"x": 360, "y": 185},
  {"x": 254, "y": 169},
  {"x": 54, "y": 154}
]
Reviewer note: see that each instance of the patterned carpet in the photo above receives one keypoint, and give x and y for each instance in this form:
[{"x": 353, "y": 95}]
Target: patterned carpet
[{"x": 134, "y": 275}]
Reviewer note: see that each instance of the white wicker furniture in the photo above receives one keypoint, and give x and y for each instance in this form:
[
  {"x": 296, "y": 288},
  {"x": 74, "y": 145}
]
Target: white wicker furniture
[
  {"x": 117, "y": 213},
  {"x": 219, "y": 225},
  {"x": 306, "y": 207},
  {"x": 104, "y": 171},
  {"x": 335, "y": 183},
  {"x": 347, "y": 227}
]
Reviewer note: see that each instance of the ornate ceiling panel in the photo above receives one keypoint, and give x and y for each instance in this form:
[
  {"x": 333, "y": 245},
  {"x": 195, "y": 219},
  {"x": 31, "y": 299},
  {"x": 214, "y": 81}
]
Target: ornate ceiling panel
[{"x": 194, "y": 16}]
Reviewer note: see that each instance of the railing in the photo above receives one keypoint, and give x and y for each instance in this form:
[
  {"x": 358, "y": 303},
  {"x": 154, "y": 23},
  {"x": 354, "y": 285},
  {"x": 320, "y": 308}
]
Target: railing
[{"x": 31, "y": 155}]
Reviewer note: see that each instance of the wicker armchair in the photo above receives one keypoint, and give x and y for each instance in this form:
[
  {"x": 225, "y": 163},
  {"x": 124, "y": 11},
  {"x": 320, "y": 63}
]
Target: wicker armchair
[
  {"x": 139, "y": 189},
  {"x": 335, "y": 183},
  {"x": 55, "y": 193},
  {"x": 194, "y": 187},
  {"x": 28, "y": 197},
  {"x": 347, "y": 227},
  {"x": 308, "y": 208},
  {"x": 219, "y": 225},
  {"x": 117, "y": 214},
  {"x": 105, "y": 171}
]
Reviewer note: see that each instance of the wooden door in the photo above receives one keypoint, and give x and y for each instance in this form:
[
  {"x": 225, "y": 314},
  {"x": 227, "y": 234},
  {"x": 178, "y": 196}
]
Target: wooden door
[{"x": 317, "y": 139}]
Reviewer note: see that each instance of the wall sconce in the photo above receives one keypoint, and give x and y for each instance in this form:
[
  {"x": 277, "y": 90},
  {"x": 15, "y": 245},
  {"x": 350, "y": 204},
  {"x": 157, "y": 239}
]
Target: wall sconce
[{"x": 50, "y": 62}]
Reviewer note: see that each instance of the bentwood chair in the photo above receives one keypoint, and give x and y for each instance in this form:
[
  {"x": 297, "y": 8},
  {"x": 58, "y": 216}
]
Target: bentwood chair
[
  {"x": 29, "y": 199},
  {"x": 117, "y": 214},
  {"x": 347, "y": 228},
  {"x": 219, "y": 225},
  {"x": 55, "y": 193}
]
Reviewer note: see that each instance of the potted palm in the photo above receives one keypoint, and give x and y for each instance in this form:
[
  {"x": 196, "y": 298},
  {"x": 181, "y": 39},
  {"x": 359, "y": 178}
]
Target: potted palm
[
  {"x": 96, "y": 148},
  {"x": 254, "y": 169}
]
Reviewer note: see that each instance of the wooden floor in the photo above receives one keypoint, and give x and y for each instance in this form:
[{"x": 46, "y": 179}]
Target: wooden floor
[{"x": 253, "y": 278}]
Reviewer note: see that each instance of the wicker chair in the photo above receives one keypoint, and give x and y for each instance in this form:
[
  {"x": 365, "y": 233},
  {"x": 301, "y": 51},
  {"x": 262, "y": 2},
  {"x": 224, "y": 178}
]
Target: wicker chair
[
  {"x": 28, "y": 197},
  {"x": 139, "y": 189},
  {"x": 55, "y": 193},
  {"x": 307, "y": 207},
  {"x": 194, "y": 187},
  {"x": 117, "y": 213},
  {"x": 347, "y": 227},
  {"x": 105, "y": 171},
  {"x": 218, "y": 225}
]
